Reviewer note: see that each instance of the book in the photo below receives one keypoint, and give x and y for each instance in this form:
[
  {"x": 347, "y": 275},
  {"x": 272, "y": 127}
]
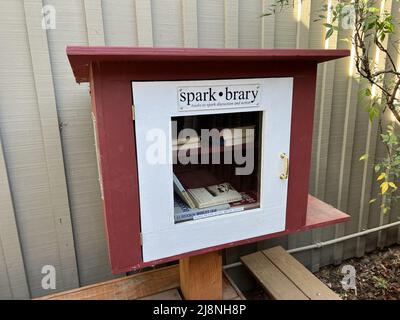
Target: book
[
  {"x": 214, "y": 195},
  {"x": 234, "y": 142},
  {"x": 249, "y": 201},
  {"x": 181, "y": 191},
  {"x": 237, "y": 136},
  {"x": 237, "y": 133},
  {"x": 184, "y": 213},
  {"x": 186, "y": 140},
  {"x": 186, "y": 146}
]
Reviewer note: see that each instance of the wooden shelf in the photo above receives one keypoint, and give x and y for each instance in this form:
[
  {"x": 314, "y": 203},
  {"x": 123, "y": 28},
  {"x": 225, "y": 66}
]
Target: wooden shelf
[{"x": 321, "y": 214}]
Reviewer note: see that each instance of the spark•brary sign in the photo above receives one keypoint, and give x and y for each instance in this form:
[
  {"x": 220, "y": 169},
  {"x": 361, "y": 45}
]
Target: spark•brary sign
[{"x": 240, "y": 95}]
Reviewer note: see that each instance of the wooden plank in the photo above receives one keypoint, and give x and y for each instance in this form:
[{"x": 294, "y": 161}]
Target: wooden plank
[
  {"x": 10, "y": 247},
  {"x": 171, "y": 294},
  {"x": 201, "y": 276},
  {"x": 309, "y": 284},
  {"x": 228, "y": 291},
  {"x": 229, "y": 283},
  {"x": 276, "y": 284},
  {"x": 127, "y": 288},
  {"x": 319, "y": 214}
]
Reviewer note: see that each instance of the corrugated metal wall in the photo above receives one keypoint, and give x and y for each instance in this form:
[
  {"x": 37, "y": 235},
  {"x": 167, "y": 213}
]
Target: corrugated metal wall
[{"x": 50, "y": 207}]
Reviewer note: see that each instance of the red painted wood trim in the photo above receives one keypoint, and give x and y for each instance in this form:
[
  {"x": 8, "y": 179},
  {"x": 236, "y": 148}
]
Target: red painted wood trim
[
  {"x": 300, "y": 147},
  {"x": 319, "y": 214},
  {"x": 80, "y": 57},
  {"x": 112, "y": 106}
]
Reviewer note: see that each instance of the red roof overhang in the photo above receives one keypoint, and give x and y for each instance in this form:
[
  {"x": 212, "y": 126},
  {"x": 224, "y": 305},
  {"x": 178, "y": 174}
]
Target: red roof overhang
[{"x": 81, "y": 57}]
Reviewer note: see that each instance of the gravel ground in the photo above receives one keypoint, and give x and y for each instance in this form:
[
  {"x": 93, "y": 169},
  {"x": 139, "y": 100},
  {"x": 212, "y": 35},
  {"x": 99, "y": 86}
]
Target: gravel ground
[{"x": 377, "y": 276}]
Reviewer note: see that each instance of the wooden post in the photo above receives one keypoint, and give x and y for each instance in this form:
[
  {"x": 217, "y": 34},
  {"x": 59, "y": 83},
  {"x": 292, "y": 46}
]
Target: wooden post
[{"x": 201, "y": 276}]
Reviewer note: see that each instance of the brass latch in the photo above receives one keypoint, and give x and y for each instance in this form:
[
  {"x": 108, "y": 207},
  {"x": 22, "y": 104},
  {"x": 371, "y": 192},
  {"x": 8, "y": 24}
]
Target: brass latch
[{"x": 285, "y": 173}]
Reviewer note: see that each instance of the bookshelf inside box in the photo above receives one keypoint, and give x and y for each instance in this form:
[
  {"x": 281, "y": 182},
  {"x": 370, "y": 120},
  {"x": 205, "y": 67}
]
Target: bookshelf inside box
[{"x": 202, "y": 175}]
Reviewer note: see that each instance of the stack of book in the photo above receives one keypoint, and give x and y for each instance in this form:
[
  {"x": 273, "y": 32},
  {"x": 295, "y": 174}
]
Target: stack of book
[{"x": 219, "y": 199}]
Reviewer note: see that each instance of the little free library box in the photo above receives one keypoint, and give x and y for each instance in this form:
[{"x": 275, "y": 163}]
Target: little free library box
[{"x": 202, "y": 149}]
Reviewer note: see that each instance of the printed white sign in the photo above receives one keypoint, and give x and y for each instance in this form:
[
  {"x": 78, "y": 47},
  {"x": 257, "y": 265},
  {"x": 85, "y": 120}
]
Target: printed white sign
[{"x": 219, "y": 97}]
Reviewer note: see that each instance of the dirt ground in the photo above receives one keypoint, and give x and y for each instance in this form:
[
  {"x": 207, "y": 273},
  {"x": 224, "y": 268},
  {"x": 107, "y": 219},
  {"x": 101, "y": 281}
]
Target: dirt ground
[{"x": 377, "y": 276}]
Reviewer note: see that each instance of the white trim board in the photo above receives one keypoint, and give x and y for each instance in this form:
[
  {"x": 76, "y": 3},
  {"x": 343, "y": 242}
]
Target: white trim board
[{"x": 155, "y": 104}]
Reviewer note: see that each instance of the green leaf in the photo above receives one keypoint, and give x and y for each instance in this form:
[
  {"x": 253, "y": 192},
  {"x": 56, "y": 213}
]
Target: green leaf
[
  {"x": 373, "y": 113},
  {"x": 372, "y": 201},
  {"x": 329, "y": 33}
]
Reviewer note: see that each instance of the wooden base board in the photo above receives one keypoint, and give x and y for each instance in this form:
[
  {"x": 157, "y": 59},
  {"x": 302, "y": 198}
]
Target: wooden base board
[{"x": 158, "y": 284}]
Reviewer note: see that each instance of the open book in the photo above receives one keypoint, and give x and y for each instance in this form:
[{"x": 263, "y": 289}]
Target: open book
[{"x": 214, "y": 195}]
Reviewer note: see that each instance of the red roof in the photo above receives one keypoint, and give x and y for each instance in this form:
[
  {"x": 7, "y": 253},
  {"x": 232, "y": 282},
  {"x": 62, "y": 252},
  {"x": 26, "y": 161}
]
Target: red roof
[{"x": 80, "y": 57}]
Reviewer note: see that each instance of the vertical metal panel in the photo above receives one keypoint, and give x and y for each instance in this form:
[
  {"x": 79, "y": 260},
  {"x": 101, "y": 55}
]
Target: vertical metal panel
[
  {"x": 286, "y": 27},
  {"x": 119, "y": 21},
  {"x": 250, "y": 24},
  {"x": 94, "y": 22},
  {"x": 231, "y": 19},
  {"x": 365, "y": 215},
  {"x": 13, "y": 282},
  {"x": 74, "y": 112},
  {"x": 144, "y": 23},
  {"x": 167, "y": 23},
  {"x": 329, "y": 81},
  {"x": 189, "y": 22},
  {"x": 336, "y": 140},
  {"x": 31, "y": 177},
  {"x": 210, "y": 21},
  {"x": 267, "y": 25},
  {"x": 46, "y": 105},
  {"x": 379, "y": 239}
]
